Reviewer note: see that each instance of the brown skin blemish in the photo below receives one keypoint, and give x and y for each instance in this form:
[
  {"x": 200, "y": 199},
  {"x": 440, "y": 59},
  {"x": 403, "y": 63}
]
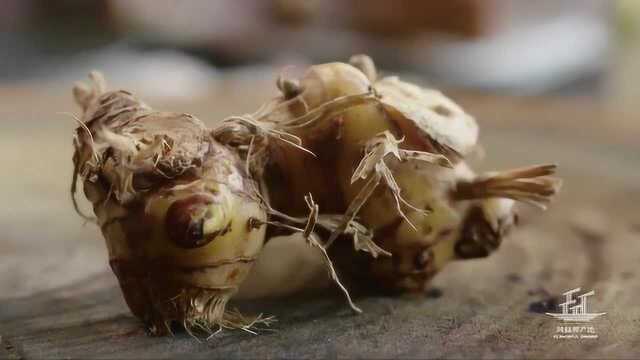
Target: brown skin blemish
[
  {"x": 233, "y": 275},
  {"x": 423, "y": 259},
  {"x": 477, "y": 239},
  {"x": 289, "y": 88},
  {"x": 144, "y": 181},
  {"x": 253, "y": 224},
  {"x": 393, "y": 272},
  {"x": 442, "y": 110},
  {"x": 339, "y": 121},
  {"x": 547, "y": 303},
  {"x": 114, "y": 220},
  {"x": 183, "y": 230}
]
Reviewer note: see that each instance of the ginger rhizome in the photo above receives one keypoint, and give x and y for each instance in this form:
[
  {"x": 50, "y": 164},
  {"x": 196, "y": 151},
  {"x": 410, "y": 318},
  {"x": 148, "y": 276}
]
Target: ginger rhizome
[
  {"x": 182, "y": 219},
  {"x": 388, "y": 157},
  {"x": 371, "y": 171}
]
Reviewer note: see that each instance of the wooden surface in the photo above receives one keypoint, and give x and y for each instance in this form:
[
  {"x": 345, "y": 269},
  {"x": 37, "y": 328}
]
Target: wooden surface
[{"x": 58, "y": 298}]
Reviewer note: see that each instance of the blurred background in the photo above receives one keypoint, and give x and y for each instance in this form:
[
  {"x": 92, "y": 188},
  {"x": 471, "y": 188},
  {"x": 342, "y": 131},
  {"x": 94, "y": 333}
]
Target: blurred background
[{"x": 585, "y": 47}]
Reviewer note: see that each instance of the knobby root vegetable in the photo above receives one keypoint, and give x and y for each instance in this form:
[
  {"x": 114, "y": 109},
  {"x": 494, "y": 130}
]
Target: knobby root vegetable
[
  {"x": 182, "y": 218},
  {"x": 385, "y": 160},
  {"x": 340, "y": 155}
]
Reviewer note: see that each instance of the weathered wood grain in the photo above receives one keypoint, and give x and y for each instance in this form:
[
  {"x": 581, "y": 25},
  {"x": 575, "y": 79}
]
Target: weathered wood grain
[{"x": 58, "y": 298}]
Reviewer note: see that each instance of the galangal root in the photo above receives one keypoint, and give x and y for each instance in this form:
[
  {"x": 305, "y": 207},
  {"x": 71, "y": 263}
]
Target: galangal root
[{"x": 378, "y": 162}]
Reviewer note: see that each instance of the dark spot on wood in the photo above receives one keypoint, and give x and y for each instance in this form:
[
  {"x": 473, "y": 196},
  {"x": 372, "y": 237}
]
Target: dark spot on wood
[
  {"x": 129, "y": 333},
  {"x": 433, "y": 293},
  {"x": 514, "y": 278},
  {"x": 11, "y": 352},
  {"x": 541, "y": 291},
  {"x": 548, "y": 304},
  {"x": 470, "y": 251},
  {"x": 627, "y": 275},
  {"x": 593, "y": 240},
  {"x": 545, "y": 275},
  {"x": 588, "y": 235}
]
